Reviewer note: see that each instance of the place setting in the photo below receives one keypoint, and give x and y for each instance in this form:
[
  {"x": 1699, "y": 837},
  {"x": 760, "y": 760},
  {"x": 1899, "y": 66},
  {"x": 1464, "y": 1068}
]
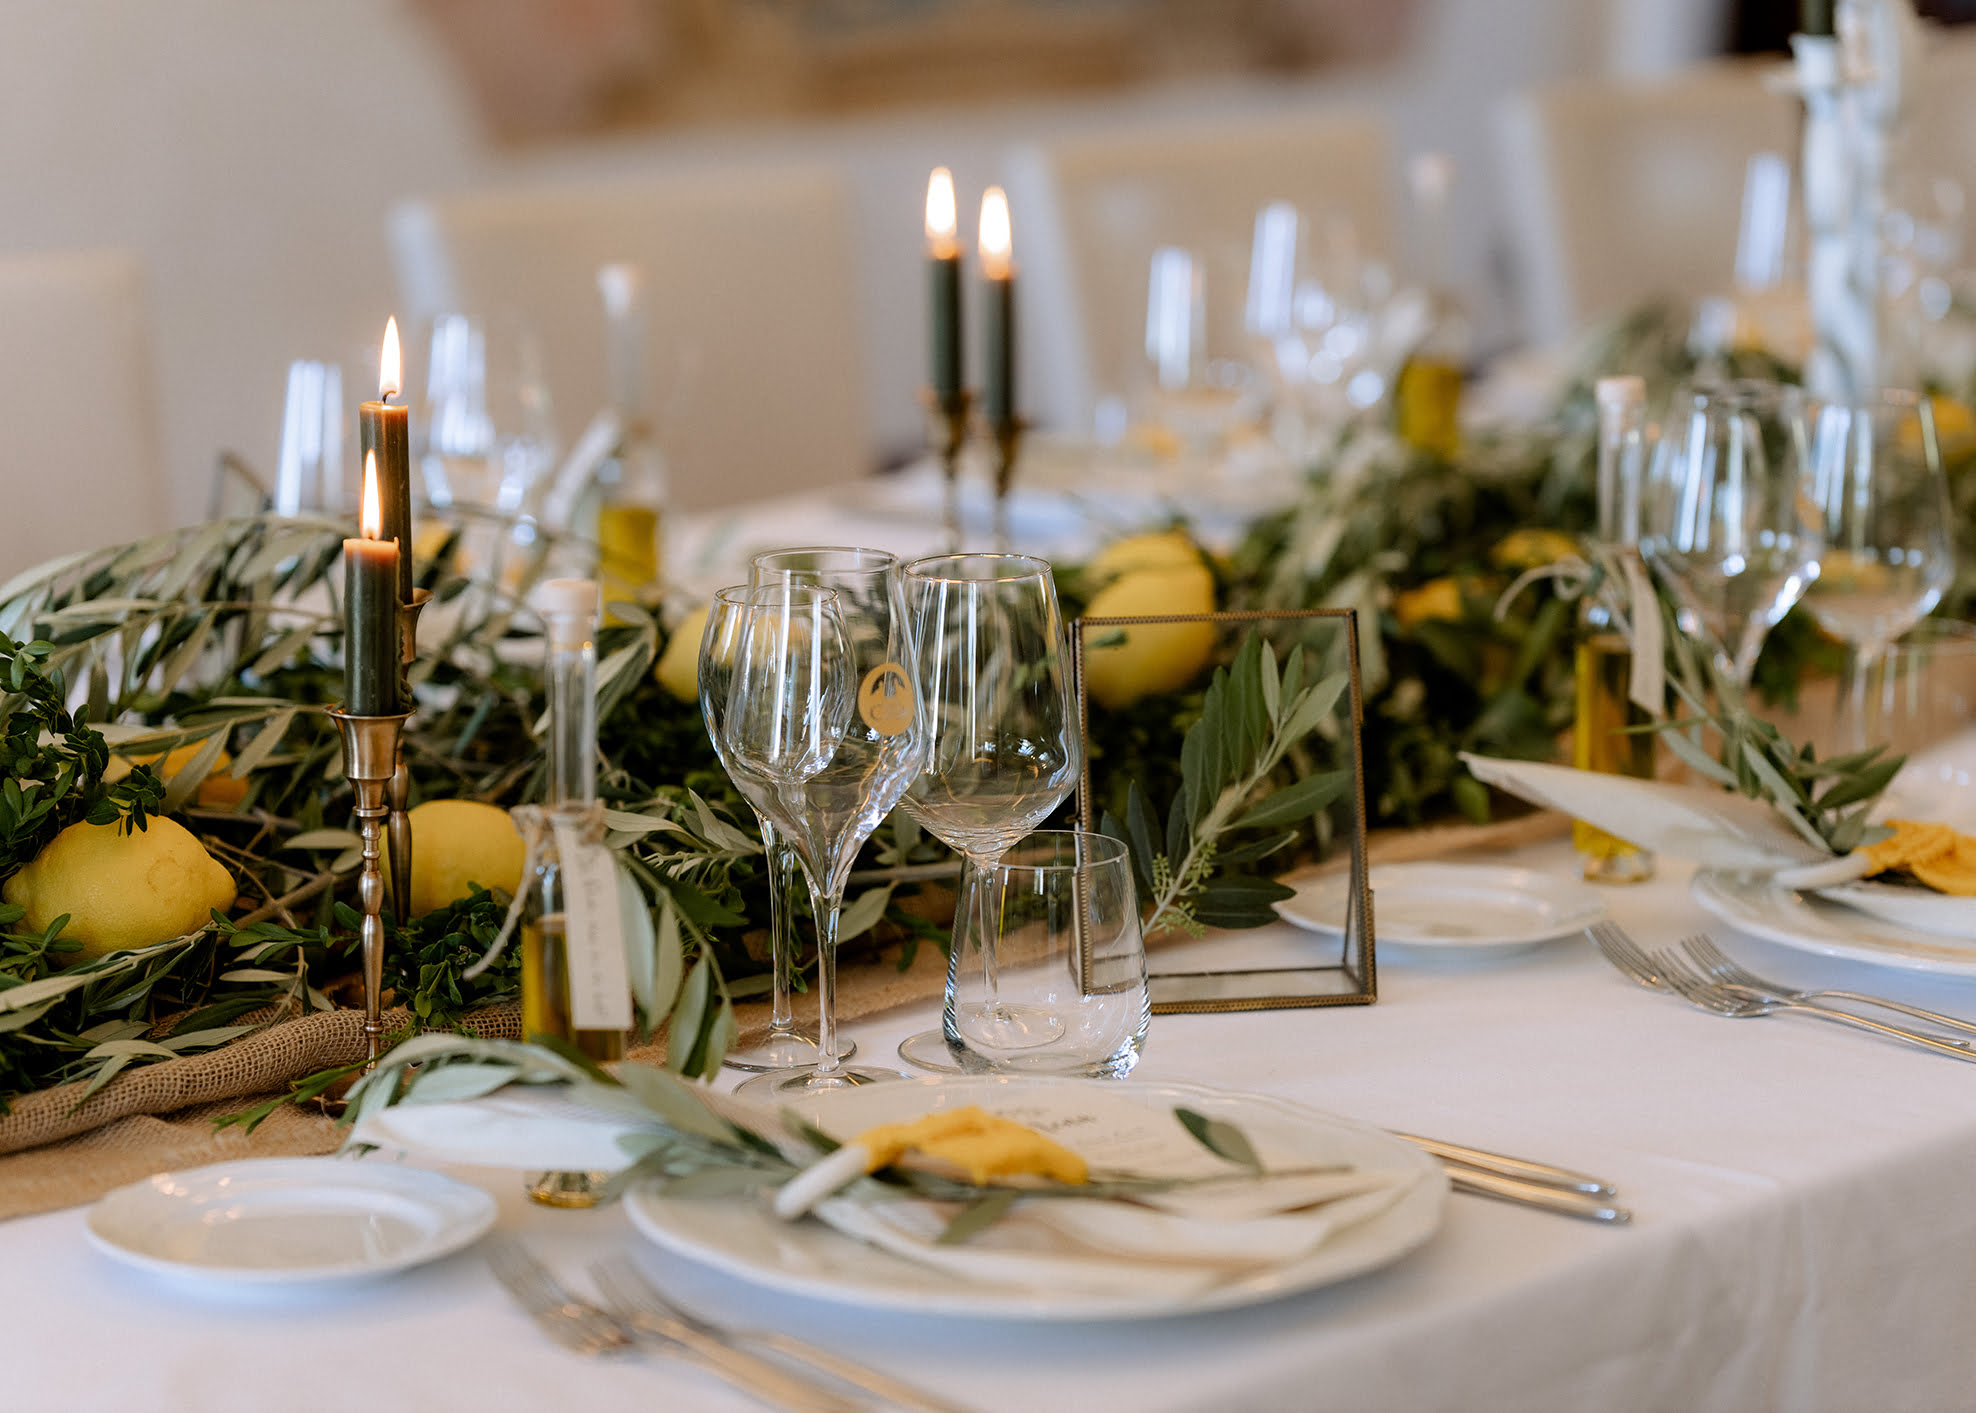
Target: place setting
[{"x": 1126, "y": 761}]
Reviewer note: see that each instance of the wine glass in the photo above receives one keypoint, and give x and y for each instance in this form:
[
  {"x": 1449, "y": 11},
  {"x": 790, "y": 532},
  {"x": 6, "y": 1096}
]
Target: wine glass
[
  {"x": 825, "y": 731},
  {"x": 309, "y": 470},
  {"x": 1889, "y": 555},
  {"x": 787, "y": 1046},
  {"x": 1726, "y": 520},
  {"x": 1004, "y": 748}
]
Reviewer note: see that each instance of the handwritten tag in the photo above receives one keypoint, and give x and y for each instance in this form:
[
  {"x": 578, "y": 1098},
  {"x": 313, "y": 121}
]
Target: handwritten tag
[
  {"x": 1648, "y": 684},
  {"x": 885, "y": 701},
  {"x": 599, "y": 983}
]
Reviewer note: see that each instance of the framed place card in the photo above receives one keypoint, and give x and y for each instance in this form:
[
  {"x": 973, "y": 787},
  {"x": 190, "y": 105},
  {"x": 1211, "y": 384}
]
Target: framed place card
[{"x": 1140, "y": 679}]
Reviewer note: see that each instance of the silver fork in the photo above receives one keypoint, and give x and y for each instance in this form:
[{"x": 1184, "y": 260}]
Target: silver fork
[
  {"x": 632, "y": 1291},
  {"x": 1661, "y": 971},
  {"x": 575, "y": 1324},
  {"x": 767, "y": 1381},
  {"x": 1702, "y": 950}
]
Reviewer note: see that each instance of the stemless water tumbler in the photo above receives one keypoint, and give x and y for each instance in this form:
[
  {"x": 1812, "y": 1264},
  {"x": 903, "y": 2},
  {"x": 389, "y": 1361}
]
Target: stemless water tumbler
[{"x": 1056, "y": 982}]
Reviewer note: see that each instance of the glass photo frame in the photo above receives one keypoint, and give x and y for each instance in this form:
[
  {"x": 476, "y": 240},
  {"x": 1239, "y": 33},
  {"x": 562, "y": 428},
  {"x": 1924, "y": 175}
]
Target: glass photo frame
[{"x": 1138, "y": 668}]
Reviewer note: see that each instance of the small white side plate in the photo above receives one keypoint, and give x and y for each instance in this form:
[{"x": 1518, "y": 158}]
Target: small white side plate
[
  {"x": 288, "y": 1221},
  {"x": 1918, "y": 908},
  {"x": 1435, "y": 909}
]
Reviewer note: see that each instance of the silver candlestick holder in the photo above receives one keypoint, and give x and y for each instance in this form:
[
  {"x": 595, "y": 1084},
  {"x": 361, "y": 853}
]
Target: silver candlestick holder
[
  {"x": 370, "y": 761},
  {"x": 1007, "y": 433},
  {"x": 398, "y": 823},
  {"x": 948, "y": 417}
]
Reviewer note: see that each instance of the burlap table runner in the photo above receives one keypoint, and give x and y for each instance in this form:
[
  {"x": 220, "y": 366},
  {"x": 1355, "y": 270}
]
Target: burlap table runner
[{"x": 55, "y": 1153}]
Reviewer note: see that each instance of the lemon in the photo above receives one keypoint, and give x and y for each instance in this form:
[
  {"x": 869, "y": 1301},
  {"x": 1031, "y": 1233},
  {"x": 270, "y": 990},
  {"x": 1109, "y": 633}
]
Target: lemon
[
  {"x": 217, "y": 791},
  {"x": 679, "y": 666},
  {"x": 456, "y": 843},
  {"x": 1170, "y": 549},
  {"x": 121, "y": 890},
  {"x": 1148, "y": 659}
]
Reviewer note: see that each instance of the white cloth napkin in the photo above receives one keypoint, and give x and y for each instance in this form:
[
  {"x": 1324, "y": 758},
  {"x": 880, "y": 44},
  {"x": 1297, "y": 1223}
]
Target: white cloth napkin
[{"x": 534, "y": 1129}]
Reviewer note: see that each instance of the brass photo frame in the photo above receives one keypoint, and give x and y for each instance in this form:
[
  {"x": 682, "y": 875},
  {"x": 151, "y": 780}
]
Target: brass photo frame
[{"x": 1349, "y": 976}]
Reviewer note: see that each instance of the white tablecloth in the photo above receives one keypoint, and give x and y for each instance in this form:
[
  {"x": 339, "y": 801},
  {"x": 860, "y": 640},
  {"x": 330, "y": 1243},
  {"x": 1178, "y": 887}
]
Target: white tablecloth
[{"x": 1805, "y": 1236}]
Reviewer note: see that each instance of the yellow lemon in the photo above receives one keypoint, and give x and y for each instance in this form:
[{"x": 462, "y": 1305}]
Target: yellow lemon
[
  {"x": 678, "y": 670},
  {"x": 1531, "y": 549},
  {"x": 460, "y": 842},
  {"x": 1121, "y": 665},
  {"x": 1437, "y": 599},
  {"x": 217, "y": 791},
  {"x": 121, "y": 890},
  {"x": 1170, "y": 549}
]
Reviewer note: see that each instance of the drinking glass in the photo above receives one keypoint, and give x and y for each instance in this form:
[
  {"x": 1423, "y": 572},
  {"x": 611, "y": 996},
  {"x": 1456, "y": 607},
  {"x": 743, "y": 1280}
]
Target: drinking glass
[
  {"x": 1004, "y": 746},
  {"x": 490, "y": 437},
  {"x": 1889, "y": 552},
  {"x": 1058, "y": 984},
  {"x": 786, "y": 1046},
  {"x": 794, "y": 668},
  {"x": 1727, "y": 521},
  {"x": 309, "y": 470}
]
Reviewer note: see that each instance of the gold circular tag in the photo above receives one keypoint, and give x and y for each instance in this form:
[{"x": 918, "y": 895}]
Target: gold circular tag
[{"x": 885, "y": 701}]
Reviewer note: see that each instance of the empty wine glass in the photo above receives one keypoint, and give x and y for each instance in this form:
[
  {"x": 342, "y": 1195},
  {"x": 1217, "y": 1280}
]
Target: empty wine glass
[
  {"x": 309, "y": 470},
  {"x": 1889, "y": 554},
  {"x": 1726, "y": 519},
  {"x": 786, "y": 1046},
  {"x": 797, "y": 669},
  {"x": 1004, "y": 748}
]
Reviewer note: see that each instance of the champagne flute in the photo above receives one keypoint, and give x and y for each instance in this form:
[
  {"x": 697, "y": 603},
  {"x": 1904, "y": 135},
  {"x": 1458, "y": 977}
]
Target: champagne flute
[
  {"x": 787, "y": 1046},
  {"x": 825, "y": 732},
  {"x": 1889, "y": 556},
  {"x": 1726, "y": 521},
  {"x": 1004, "y": 749}
]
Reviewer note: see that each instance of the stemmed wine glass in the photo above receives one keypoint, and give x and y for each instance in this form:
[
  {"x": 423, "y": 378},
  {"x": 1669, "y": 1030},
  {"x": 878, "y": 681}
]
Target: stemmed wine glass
[
  {"x": 1889, "y": 556},
  {"x": 787, "y": 1046},
  {"x": 1004, "y": 747},
  {"x": 1726, "y": 520},
  {"x": 824, "y": 731}
]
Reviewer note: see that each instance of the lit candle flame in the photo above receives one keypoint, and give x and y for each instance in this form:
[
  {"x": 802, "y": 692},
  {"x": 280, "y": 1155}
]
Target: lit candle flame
[
  {"x": 371, "y": 520},
  {"x": 942, "y": 215},
  {"x": 995, "y": 234},
  {"x": 389, "y": 379}
]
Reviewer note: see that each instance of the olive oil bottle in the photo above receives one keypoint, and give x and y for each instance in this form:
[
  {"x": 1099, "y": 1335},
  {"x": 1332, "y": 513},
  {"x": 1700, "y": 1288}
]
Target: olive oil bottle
[
  {"x": 1601, "y": 738},
  {"x": 1427, "y": 397}
]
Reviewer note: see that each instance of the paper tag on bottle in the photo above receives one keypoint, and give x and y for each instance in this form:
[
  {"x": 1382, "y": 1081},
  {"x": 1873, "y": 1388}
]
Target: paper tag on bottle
[
  {"x": 1648, "y": 686},
  {"x": 593, "y": 931}
]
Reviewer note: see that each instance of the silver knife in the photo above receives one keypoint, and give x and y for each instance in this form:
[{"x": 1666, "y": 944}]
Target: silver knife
[
  {"x": 1521, "y": 1169},
  {"x": 1530, "y": 1194}
]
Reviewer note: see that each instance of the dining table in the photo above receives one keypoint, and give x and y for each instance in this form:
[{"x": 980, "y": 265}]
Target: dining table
[{"x": 1803, "y": 1233}]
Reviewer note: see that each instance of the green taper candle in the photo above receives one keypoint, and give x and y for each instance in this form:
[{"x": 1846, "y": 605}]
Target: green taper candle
[
  {"x": 370, "y": 611},
  {"x": 943, "y": 265},
  {"x": 998, "y": 311},
  {"x": 385, "y": 431}
]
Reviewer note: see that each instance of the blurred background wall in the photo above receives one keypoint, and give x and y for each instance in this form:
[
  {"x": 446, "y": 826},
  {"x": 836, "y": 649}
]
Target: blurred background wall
[{"x": 250, "y": 152}]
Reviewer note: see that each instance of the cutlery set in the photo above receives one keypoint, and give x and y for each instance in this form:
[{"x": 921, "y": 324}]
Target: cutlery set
[{"x": 1703, "y": 976}]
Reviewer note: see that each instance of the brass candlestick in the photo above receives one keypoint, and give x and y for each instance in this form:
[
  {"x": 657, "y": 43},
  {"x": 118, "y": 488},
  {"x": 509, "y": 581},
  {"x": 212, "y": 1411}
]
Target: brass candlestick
[
  {"x": 1008, "y": 445},
  {"x": 948, "y": 416},
  {"x": 398, "y": 822},
  {"x": 370, "y": 759}
]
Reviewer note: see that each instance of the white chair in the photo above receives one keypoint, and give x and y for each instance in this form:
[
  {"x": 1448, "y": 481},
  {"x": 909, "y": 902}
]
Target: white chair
[
  {"x": 748, "y": 283},
  {"x": 79, "y": 463},
  {"x": 1092, "y": 208},
  {"x": 1620, "y": 192}
]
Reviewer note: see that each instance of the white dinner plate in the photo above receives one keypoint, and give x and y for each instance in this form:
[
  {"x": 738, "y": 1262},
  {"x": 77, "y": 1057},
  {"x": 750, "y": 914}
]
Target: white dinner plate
[
  {"x": 1436, "y": 909},
  {"x": 1922, "y": 909},
  {"x": 1813, "y": 924},
  {"x": 739, "y": 1236},
  {"x": 288, "y": 1221}
]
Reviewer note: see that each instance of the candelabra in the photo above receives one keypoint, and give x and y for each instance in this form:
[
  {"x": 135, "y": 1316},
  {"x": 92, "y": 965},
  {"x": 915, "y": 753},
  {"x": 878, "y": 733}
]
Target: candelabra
[
  {"x": 370, "y": 760},
  {"x": 1007, "y": 433},
  {"x": 398, "y": 821},
  {"x": 948, "y": 414}
]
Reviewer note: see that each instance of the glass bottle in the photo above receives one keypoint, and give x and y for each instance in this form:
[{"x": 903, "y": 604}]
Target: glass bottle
[
  {"x": 1427, "y": 399},
  {"x": 631, "y": 478},
  {"x": 569, "y": 611},
  {"x": 1600, "y": 740}
]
